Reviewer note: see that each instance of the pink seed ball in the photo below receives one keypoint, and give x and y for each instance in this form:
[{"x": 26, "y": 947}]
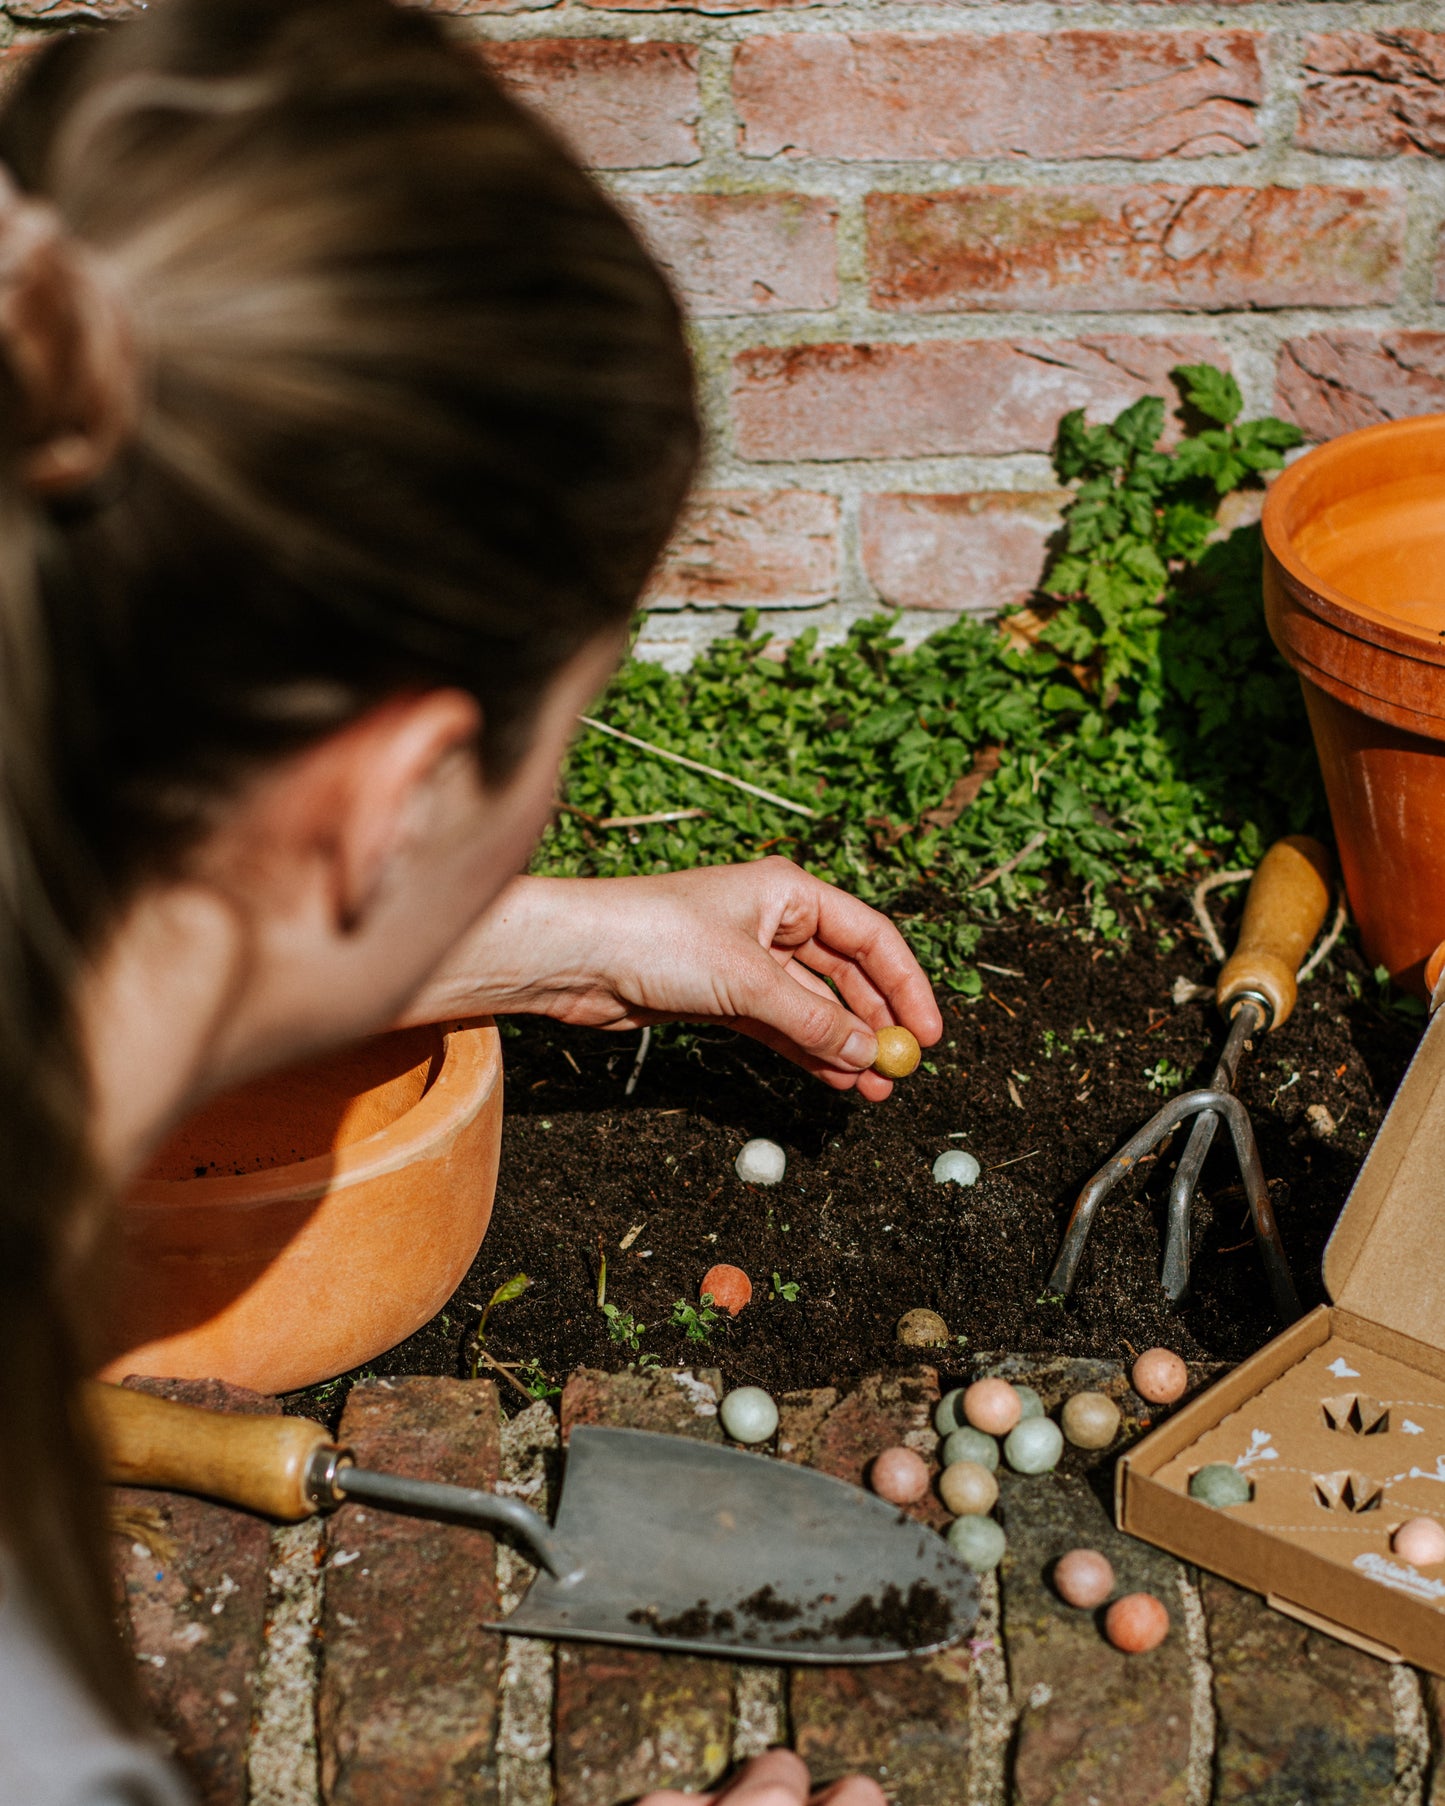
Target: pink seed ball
[
  {"x": 1083, "y": 1578},
  {"x": 1160, "y": 1376},
  {"x": 1136, "y": 1622},
  {"x": 900, "y": 1476},
  {"x": 992, "y": 1406},
  {"x": 1421, "y": 1542}
]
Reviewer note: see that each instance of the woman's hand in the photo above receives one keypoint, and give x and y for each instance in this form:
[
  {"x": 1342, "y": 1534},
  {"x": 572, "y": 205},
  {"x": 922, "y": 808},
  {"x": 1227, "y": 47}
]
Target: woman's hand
[
  {"x": 776, "y": 1779},
  {"x": 763, "y": 948}
]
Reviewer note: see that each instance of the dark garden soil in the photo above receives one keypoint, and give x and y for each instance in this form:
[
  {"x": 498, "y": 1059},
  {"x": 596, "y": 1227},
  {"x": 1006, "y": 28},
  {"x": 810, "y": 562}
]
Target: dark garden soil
[{"x": 1074, "y": 1044}]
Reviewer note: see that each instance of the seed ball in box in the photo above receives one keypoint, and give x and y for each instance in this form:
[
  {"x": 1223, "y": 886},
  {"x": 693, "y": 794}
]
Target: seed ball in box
[
  {"x": 1421, "y": 1542},
  {"x": 992, "y": 1406},
  {"x": 1160, "y": 1376},
  {"x": 1220, "y": 1485},
  {"x": 978, "y": 1542},
  {"x": 922, "y": 1329},
  {"x": 899, "y": 1475},
  {"x": 898, "y": 1053},
  {"x": 1083, "y": 1578},
  {"x": 1090, "y": 1420},
  {"x": 1030, "y": 1404},
  {"x": 1034, "y": 1446},
  {"x": 748, "y": 1415},
  {"x": 968, "y": 1490},
  {"x": 1136, "y": 1622},
  {"x": 969, "y": 1444}
]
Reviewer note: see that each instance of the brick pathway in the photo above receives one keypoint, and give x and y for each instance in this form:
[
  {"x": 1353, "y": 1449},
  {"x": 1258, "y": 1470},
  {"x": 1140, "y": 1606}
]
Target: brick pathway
[{"x": 343, "y": 1663}]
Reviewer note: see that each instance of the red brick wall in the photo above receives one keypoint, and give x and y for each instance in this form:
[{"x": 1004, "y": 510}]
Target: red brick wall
[{"x": 912, "y": 235}]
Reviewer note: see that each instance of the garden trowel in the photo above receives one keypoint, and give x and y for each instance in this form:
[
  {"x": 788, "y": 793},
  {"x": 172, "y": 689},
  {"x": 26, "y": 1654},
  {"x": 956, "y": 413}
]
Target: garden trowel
[{"x": 660, "y": 1541}]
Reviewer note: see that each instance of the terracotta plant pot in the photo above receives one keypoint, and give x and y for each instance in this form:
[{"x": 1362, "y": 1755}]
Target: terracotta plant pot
[
  {"x": 1354, "y": 589},
  {"x": 306, "y": 1223}
]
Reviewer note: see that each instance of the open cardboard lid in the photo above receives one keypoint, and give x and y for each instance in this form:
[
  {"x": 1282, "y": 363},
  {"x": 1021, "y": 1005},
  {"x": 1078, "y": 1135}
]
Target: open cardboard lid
[{"x": 1386, "y": 1258}]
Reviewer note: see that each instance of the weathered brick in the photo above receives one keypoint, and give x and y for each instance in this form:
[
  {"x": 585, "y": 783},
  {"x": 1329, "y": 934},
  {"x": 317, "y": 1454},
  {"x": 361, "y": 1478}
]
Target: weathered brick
[
  {"x": 1114, "y": 247},
  {"x": 744, "y": 253},
  {"x": 1015, "y": 94},
  {"x": 1298, "y": 1715},
  {"x": 1433, "y": 1688},
  {"x": 193, "y": 1582},
  {"x": 408, "y": 1699},
  {"x": 628, "y": 1720},
  {"x": 1440, "y": 267},
  {"x": 939, "y": 396},
  {"x": 743, "y": 548},
  {"x": 619, "y": 105},
  {"x": 977, "y": 552},
  {"x": 1333, "y": 382},
  {"x": 1374, "y": 93}
]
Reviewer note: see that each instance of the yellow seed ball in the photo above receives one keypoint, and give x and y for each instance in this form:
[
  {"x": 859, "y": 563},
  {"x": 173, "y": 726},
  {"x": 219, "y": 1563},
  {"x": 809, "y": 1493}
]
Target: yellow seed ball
[
  {"x": 1090, "y": 1420},
  {"x": 923, "y": 1329},
  {"x": 968, "y": 1489},
  {"x": 898, "y": 1053}
]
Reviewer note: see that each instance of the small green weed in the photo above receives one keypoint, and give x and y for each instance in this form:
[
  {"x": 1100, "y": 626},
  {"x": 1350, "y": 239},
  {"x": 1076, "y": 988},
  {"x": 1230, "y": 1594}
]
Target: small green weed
[
  {"x": 504, "y": 1294},
  {"x": 1164, "y": 1075},
  {"x": 786, "y": 1289},
  {"x": 696, "y": 1321},
  {"x": 623, "y": 1327}
]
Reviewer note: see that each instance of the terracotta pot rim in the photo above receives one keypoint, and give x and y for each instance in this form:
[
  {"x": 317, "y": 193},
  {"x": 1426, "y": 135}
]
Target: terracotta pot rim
[
  {"x": 1343, "y": 612},
  {"x": 469, "y": 1069}
]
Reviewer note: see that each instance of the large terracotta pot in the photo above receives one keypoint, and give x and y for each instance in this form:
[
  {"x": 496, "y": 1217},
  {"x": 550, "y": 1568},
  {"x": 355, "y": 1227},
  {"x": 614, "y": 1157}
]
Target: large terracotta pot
[
  {"x": 1354, "y": 589},
  {"x": 306, "y": 1223}
]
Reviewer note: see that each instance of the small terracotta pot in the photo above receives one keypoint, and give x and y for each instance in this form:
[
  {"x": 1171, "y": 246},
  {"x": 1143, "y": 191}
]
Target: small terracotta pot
[
  {"x": 1354, "y": 590},
  {"x": 308, "y": 1222}
]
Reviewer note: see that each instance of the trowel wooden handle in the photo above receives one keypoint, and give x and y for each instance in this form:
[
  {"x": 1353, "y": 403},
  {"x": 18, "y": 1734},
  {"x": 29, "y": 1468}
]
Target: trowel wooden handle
[
  {"x": 1284, "y": 911},
  {"x": 257, "y": 1462}
]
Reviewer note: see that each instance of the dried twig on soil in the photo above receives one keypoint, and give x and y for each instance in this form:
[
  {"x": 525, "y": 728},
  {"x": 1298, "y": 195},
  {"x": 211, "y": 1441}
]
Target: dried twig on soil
[
  {"x": 498, "y": 1367},
  {"x": 636, "y": 1073},
  {"x": 1202, "y": 915},
  {"x": 965, "y": 788},
  {"x": 1010, "y": 865},
  {"x": 709, "y": 771},
  {"x": 646, "y": 821}
]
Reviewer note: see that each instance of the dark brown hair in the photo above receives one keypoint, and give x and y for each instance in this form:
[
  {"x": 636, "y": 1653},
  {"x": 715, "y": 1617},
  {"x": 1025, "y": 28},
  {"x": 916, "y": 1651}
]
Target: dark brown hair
[{"x": 416, "y": 409}]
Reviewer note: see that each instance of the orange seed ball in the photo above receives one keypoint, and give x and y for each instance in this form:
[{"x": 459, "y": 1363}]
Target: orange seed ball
[
  {"x": 1421, "y": 1542},
  {"x": 1083, "y": 1578},
  {"x": 1160, "y": 1376},
  {"x": 1136, "y": 1622},
  {"x": 898, "y": 1053},
  {"x": 992, "y": 1406},
  {"x": 899, "y": 1475},
  {"x": 728, "y": 1287}
]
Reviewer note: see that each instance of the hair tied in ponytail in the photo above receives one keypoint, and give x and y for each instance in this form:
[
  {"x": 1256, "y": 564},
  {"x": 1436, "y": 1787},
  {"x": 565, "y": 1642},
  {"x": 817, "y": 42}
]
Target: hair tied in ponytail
[{"x": 66, "y": 333}]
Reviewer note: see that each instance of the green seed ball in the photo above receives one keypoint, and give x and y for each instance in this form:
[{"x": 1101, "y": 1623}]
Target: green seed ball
[
  {"x": 1220, "y": 1485},
  {"x": 749, "y": 1415},
  {"x": 968, "y": 1490},
  {"x": 1090, "y": 1420},
  {"x": 1033, "y": 1405},
  {"x": 977, "y": 1542},
  {"x": 968, "y": 1444},
  {"x": 1034, "y": 1446},
  {"x": 948, "y": 1412}
]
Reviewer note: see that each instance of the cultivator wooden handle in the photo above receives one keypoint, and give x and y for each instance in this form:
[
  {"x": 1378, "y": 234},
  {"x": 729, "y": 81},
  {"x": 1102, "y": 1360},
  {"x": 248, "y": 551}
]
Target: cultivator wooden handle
[
  {"x": 261, "y": 1463},
  {"x": 1284, "y": 911}
]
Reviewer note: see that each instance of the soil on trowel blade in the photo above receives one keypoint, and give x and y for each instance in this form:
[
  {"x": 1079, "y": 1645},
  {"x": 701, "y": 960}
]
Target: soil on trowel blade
[{"x": 1073, "y": 1045}]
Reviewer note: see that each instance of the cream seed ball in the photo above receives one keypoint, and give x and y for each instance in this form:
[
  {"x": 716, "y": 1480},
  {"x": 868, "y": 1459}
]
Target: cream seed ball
[
  {"x": 1421, "y": 1542},
  {"x": 749, "y": 1414},
  {"x": 760, "y": 1162},
  {"x": 899, "y": 1475},
  {"x": 992, "y": 1406},
  {"x": 977, "y": 1542},
  {"x": 968, "y": 1489},
  {"x": 1083, "y": 1578},
  {"x": 1160, "y": 1376},
  {"x": 968, "y": 1444},
  {"x": 922, "y": 1329},
  {"x": 1090, "y": 1420},
  {"x": 1136, "y": 1622},
  {"x": 898, "y": 1053},
  {"x": 1034, "y": 1446}
]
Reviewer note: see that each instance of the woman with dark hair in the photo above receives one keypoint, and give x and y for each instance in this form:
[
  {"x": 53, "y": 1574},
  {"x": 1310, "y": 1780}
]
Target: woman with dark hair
[{"x": 342, "y": 419}]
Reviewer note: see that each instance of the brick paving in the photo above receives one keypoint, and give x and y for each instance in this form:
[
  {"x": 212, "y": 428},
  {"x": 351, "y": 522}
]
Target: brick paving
[{"x": 316, "y": 1666}]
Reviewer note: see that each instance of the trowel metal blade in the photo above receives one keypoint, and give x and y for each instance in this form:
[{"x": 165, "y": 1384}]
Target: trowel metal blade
[{"x": 695, "y": 1548}]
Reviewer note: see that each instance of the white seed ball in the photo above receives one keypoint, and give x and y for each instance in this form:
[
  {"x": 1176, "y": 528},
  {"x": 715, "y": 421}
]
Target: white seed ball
[
  {"x": 760, "y": 1162},
  {"x": 968, "y": 1444},
  {"x": 1034, "y": 1445},
  {"x": 956, "y": 1168},
  {"x": 749, "y": 1414},
  {"x": 1032, "y": 1405},
  {"x": 978, "y": 1542}
]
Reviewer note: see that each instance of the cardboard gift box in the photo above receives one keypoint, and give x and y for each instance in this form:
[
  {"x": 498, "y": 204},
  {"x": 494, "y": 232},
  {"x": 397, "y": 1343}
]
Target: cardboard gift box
[{"x": 1339, "y": 1423}]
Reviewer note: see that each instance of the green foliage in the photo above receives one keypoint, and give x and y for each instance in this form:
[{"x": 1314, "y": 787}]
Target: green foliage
[
  {"x": 504, "y": 1294},
  {"x": 1139, "y": 719},
  {"x": 696, "y": 1321},
  {"x": 786, "y": 1289},
  {"x": 623, "y": 1327}
]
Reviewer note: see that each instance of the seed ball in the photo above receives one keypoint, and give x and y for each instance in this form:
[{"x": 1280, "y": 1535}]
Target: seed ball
[
  {"x": 922, "y": 1329},
  {"x": 1136, "y": 1622},
  {"x": 1083, "y": 1578},
  {"x": 1421, "y": 1542},
  {"x": 898, "y": 1053},
  {"x": 956, "y": 1168},
  {"x": 899, "y": 1475},
  {"x": 1090, "y": 1420},
  {"x": 1220, "y": 1485},
  {"x": 977, "y": 1542},
  {"x": 1160, "y": 1376},
  {"x": 748, "y": 1415},
  {"x": 969, "y": 1444},
  {"x": 1034, "y": 1446},
  {"x": 948, "y": 1412},
  {"x": 1030, "y": 1404},
  {"x": 967, "y": 1489},
  {"x": 728, "y": 1287},
  {"x": 992, "y": 1406},
  {"x": 760, "y": 1162}
]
